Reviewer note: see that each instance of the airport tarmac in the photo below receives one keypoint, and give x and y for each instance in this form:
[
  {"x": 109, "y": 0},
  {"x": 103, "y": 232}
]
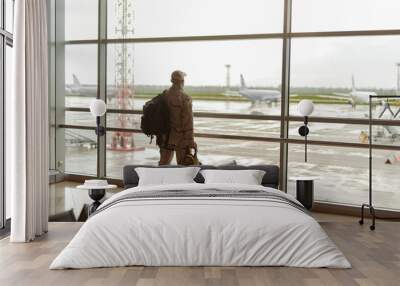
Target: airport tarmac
[{"x": 342, "y": 173}]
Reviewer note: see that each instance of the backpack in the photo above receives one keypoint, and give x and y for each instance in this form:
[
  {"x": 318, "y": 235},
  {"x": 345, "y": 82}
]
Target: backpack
[{"x": 155, "y": 118}]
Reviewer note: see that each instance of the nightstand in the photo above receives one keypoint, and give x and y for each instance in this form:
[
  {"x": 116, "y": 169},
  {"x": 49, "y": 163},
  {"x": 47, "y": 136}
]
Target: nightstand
[
  {"x": 96, "y": 193},
  {"x": 304, "y": 190}
]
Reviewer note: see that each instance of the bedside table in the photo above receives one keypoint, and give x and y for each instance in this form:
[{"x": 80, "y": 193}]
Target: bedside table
[
  {"x": 96, "y": 194},
  {"x": 305, "y": 190}
]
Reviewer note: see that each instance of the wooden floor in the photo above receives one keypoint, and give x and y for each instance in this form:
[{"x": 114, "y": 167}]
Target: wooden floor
[{"x": 375, "y": 257}]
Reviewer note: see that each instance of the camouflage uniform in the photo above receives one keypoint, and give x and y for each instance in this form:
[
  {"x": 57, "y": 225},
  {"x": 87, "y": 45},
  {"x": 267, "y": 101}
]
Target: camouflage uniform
[{"x": 181, "y": 121}]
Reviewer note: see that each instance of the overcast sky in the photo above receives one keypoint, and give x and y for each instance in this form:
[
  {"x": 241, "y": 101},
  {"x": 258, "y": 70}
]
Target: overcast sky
[{"x": 315, "y": 62}]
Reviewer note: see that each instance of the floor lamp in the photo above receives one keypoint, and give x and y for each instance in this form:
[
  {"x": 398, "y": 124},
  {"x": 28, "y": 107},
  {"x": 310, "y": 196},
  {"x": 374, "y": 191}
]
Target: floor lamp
[
  {"x": 98, "y": 108},
  {"x": 305, "y": 108}
]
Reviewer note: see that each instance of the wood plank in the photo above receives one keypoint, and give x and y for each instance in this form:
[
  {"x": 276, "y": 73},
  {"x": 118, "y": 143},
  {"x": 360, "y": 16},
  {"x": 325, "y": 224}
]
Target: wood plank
[{"x": 375, "y": 257}]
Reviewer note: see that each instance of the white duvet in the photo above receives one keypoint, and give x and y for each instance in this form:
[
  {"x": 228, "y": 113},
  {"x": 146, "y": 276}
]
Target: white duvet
[{"x": 193, "y": 231}]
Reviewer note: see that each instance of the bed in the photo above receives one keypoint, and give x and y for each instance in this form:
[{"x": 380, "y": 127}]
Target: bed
[{"x": 197, "y": 224}]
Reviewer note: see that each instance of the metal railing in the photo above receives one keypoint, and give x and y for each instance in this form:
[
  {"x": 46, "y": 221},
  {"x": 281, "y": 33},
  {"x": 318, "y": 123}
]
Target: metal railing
[
  {"x": 355, "y": 121},
  {"x": 314, "y": 119}
]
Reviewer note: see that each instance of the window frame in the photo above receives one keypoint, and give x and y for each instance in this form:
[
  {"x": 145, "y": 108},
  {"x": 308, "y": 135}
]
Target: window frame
[
  {"x": 285, "y": 118},
  {"x": 6, "y": 39}
]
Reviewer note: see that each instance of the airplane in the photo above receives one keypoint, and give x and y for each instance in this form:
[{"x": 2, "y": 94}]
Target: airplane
[
  {"x": 255, "y": 95},
  {"x": 76, "y": 88},
  {"x": 355, "y": 96},
  {"x": 90, "y": 90},
  {"x": 362, "y": 97}
]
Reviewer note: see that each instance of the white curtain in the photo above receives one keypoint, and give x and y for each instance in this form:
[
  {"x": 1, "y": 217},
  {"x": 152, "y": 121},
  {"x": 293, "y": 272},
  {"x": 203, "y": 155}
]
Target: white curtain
[{"x": 27, "y": 123}]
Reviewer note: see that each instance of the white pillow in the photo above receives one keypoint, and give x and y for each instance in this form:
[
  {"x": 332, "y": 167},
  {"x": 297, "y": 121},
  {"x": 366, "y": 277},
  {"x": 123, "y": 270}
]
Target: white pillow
[
  {"x": 166, "y": 176},
  {"x": 247, "y": 177}
]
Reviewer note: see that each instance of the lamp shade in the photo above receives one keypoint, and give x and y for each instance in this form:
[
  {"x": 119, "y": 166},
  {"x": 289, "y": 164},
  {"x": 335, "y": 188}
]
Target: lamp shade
[
  {"x": 305, "y": 107},
  {"x": 98, "y": 107}
]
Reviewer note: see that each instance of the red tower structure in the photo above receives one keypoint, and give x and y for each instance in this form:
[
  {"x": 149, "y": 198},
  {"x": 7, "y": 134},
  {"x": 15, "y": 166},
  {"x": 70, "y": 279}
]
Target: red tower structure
[{"x": 124, "y": 78}]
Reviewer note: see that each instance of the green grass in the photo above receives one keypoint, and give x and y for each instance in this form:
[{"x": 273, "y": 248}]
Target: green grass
[
  {"x": 200, "y": 96},
  {"x": 318, "y": 99},
  {"x": 218, "y": 96}
]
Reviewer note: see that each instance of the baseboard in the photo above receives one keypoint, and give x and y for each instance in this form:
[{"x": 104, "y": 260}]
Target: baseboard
[{"x": 351, "y": 210}]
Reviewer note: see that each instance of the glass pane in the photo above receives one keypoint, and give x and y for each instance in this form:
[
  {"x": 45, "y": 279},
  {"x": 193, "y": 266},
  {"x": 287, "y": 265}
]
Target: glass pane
[
  {"x": 1, "y": 14},
  {"x": 211, "y": 152},
  {"x": 342, "y": 173},
  {"x": 242, "y": 127},
  {"x": 80, "y": 151},
  {"x": 205, "y": 99},
  {"x": 385, "y": 179},
  {"x": 137, "y": 150},
  {"x": 79, "y": 118},
  {"x": 81, "y": 19},
  {"x": 155, "y": 18},
  {"x": 386, "y": 163},
  {"x": 8, "y": 82},
  {"x": 80, "y": 75},
  {"x": 381, "y": 134},
  {"x": 349, "y": 133},
  {"x": 386, "y": 109},
  {"x": 339, "y": 15},
  {"x": 9, "y": 15},
  {"x": 137, "y": 72},
  {"x": 219, "y": 151},
  {"x": 339, "y": 74}
]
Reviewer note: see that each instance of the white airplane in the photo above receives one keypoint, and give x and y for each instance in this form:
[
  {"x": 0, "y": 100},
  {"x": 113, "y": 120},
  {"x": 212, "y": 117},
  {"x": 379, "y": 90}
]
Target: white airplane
[
  {"x": 255, "y": 95},
  {"x": 76, "y": 88},
  {"x": 356, "y": 96},
  {"x": 258, "y": 94},
  {"x": 386, "y": 112}
]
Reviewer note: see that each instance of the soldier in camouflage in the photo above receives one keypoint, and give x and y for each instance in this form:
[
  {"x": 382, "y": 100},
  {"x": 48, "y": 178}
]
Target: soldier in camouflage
[{"x": 180, "y": 138}]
